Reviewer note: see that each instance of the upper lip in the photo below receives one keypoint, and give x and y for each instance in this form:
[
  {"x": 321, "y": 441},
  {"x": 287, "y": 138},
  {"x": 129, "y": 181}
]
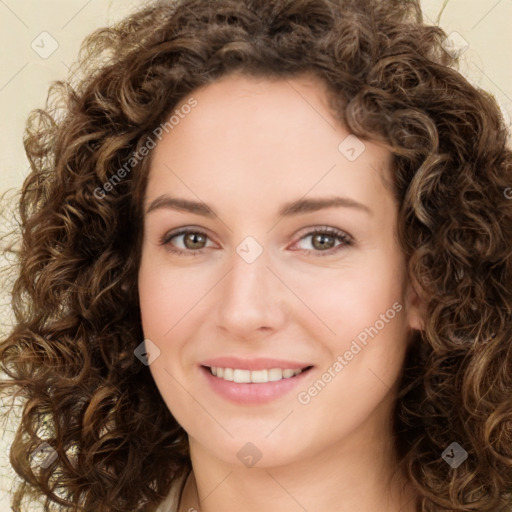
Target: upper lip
[{"x": 261, "y": 363}]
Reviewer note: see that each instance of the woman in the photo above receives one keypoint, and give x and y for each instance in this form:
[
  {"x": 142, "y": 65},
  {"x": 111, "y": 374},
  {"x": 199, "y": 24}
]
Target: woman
[{"x": 266, "y": 266}]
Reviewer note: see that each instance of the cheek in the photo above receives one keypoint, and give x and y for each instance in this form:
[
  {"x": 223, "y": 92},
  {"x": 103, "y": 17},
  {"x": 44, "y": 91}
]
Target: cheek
[
  {"x": 347, "y": 300},
  {"x": 164, "y": 301},
  {"x": 165, "y": 296},
  {"x": 363, "y": 360},
  {"x": 155, "y": 302}
]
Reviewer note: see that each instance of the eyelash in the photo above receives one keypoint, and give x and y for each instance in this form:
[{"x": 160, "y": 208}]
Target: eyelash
[{"x": 340, "y": 235}]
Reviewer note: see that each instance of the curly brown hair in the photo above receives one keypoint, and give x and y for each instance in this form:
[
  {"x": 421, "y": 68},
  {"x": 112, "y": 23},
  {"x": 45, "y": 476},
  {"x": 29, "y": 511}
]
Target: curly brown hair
[{"x": 70, "y": 356}]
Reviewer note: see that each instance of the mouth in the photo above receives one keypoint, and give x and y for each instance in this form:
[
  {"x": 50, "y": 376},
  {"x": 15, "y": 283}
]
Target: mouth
[
  {"x": 263, "y": 376},
  {"x": 256, "y": 386},
  {"x": 254, "y": 381}
]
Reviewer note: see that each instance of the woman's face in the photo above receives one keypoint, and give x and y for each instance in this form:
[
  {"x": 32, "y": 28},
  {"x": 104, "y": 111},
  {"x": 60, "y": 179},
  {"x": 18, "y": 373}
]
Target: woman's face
[{"x": 249, "y": 172}]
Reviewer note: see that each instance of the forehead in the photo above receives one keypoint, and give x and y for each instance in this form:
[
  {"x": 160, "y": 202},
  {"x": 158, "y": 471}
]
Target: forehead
[{"x": 248, "y": 134}]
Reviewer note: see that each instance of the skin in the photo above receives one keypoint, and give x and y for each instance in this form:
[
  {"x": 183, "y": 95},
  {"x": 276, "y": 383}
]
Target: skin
[{"x": 249, "y": 146}]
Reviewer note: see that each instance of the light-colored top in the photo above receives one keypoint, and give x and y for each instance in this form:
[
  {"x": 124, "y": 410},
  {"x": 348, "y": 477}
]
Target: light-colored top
[{"x": 170, "y": 504}]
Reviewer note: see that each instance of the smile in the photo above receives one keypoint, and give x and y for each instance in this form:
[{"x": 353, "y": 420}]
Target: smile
[{"x": 253, "y": 387}]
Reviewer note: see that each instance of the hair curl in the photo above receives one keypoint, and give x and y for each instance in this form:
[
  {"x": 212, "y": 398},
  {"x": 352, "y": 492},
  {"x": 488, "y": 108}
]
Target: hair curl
[{"x": 70, "y": 356}]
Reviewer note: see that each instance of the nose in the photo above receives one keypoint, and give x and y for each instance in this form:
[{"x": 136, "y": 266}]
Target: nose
[{"x": 251, "y": 299}]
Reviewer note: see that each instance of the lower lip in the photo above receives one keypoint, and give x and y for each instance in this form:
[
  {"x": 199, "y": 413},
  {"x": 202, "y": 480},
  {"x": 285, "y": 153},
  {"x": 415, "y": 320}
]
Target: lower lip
[{"x": 251, "y": 392}]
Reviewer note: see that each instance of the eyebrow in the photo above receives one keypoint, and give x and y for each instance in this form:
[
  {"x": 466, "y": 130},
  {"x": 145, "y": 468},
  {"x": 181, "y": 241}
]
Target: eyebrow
[{"x": 296, "y": 207}]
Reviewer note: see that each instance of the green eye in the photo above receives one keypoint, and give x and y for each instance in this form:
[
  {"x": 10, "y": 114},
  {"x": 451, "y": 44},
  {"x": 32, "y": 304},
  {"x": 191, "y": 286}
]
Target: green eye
[
  {"x": 192, "y": 240},
  {"x": 323, "y": 241}
]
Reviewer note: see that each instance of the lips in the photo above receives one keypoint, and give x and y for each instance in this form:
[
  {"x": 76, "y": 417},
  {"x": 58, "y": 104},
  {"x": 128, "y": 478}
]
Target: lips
[{"x": 241, "y": 388}]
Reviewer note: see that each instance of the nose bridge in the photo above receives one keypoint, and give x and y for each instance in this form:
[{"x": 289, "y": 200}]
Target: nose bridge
[
  {"x": 246, "y": 280},
  {"x": 250, "y": 296}
]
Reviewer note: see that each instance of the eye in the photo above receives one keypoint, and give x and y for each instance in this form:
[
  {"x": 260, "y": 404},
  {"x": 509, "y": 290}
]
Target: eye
[
  {"x": 193, "y": 241},
  {"x": 323, "y": 241}
]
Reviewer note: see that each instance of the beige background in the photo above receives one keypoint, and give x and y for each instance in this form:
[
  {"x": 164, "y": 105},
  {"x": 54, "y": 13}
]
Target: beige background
[{"x": 26, "y": 71}]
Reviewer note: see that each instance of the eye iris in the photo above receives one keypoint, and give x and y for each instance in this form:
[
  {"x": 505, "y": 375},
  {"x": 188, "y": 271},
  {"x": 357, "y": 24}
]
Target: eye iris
[
  {"x": 321, "y": 239},
  {"x": 194, "y": 238}
]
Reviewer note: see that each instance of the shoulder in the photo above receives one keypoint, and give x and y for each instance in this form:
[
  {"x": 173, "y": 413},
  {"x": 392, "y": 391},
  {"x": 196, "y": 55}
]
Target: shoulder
[{"x": 171, "y": 502}]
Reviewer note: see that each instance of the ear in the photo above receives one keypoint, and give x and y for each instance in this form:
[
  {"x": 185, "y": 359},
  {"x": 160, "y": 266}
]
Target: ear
[{"x": 415, "y": 308}]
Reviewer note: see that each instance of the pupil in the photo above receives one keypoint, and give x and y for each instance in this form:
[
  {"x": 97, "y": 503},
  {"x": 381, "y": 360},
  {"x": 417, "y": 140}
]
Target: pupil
[
  {"x": 322, "y": 241},
  {"x": 194, "y": 238}
]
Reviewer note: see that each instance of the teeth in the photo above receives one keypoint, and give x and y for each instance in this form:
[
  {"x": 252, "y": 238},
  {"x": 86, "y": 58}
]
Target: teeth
[
  {"x": 243, "y": 376},
  {"x": 275, "y": 374},
  {"x": 256, "y": 376},
  {"x": 259, "y": 376}
]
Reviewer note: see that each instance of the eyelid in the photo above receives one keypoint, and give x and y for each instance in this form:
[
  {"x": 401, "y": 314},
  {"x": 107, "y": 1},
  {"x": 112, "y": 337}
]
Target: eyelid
[
  {"x": 183, "y": 230},
  {"x": 309, "y": 230}
]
